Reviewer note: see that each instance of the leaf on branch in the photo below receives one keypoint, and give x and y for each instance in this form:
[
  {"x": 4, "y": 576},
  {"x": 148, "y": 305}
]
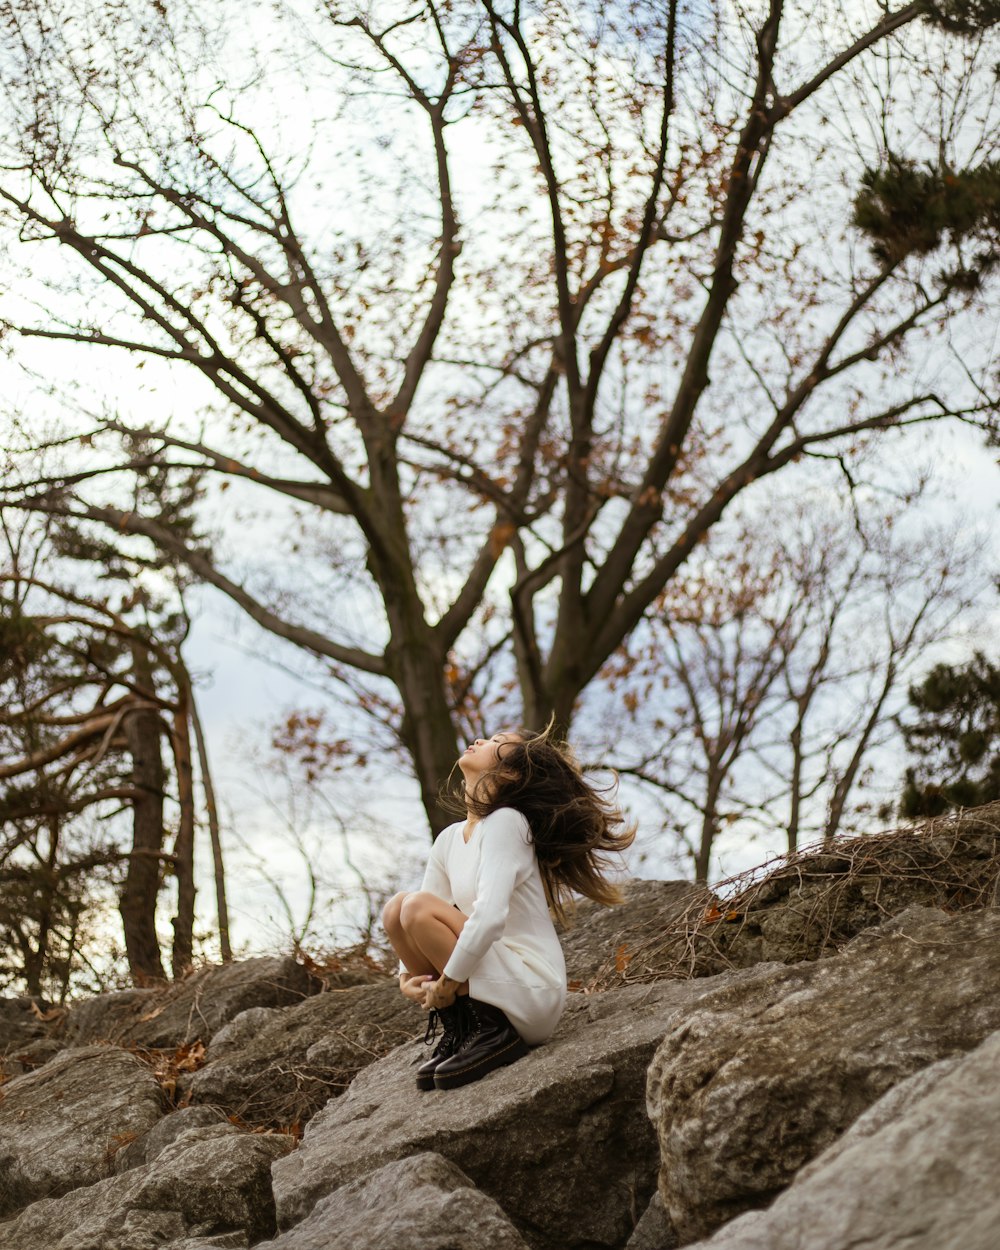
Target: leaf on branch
[{"x": 500, "y": 537}]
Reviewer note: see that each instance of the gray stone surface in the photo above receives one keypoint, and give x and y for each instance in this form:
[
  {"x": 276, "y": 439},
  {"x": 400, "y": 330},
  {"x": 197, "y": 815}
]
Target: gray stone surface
[
  {"x": 560, "y": 1138},
  {"x": 145, "y": 1148},
  {"x": 811, "y": 907},
  {"x": 420, "y": 1203},
  {"x": 61, "y": 1126},
  {"x": 654, "y": 1230},
  {"x": 923, "y": 1179},
  {"x": 27, "y": 1058},
  {"x": 209, "y": 1181},
  {"x": 193, "y": 1009},
  {"x": 242, "y": 1030},
  {"x": 595, "y": 934},
  {"x": 768, "y": 1071},
  {"x": 279, "y": 1068},
  {"x": 20, "y": 1021}
]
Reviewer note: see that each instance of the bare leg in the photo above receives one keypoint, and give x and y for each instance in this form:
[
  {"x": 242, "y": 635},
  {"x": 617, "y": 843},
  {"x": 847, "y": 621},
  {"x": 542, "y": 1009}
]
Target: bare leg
[
  {"x": 411, "y": 957},
  {"x": 423, "y": 930}
]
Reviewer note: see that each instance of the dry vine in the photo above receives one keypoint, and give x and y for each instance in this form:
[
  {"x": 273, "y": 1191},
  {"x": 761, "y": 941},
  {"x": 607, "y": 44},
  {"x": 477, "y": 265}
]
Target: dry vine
[{"x": 807, "y": 905}]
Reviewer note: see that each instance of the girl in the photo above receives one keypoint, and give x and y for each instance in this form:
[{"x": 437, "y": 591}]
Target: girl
[{"x": 477, "y": 943}]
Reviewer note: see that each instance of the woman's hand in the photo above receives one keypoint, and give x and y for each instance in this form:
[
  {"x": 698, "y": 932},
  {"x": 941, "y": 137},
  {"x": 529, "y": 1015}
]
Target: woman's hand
[
  {"x": 412, "y": 985},
  {"x": 439, "y": 993}
]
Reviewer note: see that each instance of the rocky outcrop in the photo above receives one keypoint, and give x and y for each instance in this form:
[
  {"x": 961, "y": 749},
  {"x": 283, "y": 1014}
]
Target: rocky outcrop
[
  {"x": 278, "y": 1067},
  {"x": 420, "y": 1203},
  {"x": 768, "y": 1071},
  {"x": 845, "y": 1100},
  {"x": 22, "y": 1021},
  {"x": 579, "y": 1097},
  {"x": 918, "y": 1171},
  {"x": 811, "y": 904},
  {"x": 193, "y": 1009},
  {"x": 150, "y": 1145},
  {"x": 599, "y": 939},
  {"x": 209, "y": 1181},
  {"x": 61, "y": 1126}
]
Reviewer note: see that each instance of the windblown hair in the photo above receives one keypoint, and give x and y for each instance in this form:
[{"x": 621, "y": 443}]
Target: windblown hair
[{"x": 576, "y": 828}]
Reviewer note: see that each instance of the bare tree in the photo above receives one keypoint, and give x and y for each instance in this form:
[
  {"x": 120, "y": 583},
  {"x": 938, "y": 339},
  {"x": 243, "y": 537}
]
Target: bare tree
[
  {"x": 779, "y": 672},
  {"x": 91, "y": 698},
  {"x": 506, "y": 393}
]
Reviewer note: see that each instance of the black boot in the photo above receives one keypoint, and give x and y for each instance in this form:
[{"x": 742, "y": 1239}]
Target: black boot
[
  {"x": 491, "y": 1042},
  {"x": 455, "y": 1021}
]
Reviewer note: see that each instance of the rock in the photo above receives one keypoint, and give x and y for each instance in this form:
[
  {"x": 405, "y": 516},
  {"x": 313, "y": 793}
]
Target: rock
[
  {"x": 921, "y": 1175},
  {"x": 766, "y": 1072},
  {"x": 22, "y": 1059},
  {"x": 813, "y": 904},
  {"x": 61, "y": 1126},
  {"x": 222, "y": 1241},
  {"x": 193, "y": 1009},
  {"x": 152, "y": 1143},
  {"x": 888, "y": 1108},
  {"x": 241, "y": 1030},
  {"x": 110, "y": 1017},
  {"x": 420, "y": 1203},
  {"x": 577, "y": 1098},
  {"x": 279, "y": 1068},
  {"x": 209, "y": 1181},
  {"x": 593, "y": 940},
  {"x": 654, "y": 1230},
  {"x": 21, "y": 1022}
]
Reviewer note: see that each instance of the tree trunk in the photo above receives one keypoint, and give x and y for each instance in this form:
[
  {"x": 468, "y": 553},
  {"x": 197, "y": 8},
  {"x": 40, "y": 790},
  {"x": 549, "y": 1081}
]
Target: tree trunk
[
  {"x": 36, "y": 960},
  {"x": 709, "y": 824},
  {"x": 427, "y": 730},
  {"x": 221, "y": 906},
  {"x": 794, "y": 815},
  {"x": 142, "y": 881},
  {"x": 183, "y": 923}
]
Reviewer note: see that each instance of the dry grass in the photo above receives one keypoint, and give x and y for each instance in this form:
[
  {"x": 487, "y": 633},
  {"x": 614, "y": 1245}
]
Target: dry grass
[{"x": 807, "y": 905}]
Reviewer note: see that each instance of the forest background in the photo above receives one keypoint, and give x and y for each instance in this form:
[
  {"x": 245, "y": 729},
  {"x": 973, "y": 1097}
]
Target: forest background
[{"x": 378, "y": 377}]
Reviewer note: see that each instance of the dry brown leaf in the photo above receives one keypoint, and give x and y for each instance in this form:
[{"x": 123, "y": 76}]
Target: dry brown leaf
[{"x": 54, "y": 1013}]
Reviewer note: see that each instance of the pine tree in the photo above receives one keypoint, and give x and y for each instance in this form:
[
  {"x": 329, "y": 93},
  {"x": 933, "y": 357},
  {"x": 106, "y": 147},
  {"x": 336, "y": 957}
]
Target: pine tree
[{"x": 956, "y": 741}]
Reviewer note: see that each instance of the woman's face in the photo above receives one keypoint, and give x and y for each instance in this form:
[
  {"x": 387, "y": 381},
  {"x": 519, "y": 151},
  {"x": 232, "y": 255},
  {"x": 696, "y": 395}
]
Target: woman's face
[{"x": 483, "y": 755}]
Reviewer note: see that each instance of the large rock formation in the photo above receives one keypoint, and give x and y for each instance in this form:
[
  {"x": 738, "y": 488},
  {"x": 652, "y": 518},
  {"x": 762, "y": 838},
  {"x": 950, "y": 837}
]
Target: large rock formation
[
  {"x": 791, "y": 1105},
  {"x": 419, "y": 1203},
  {"x": 598, "y": 940},
  {"x": 810, "y": 905},
  {"x": 278, "y": 1066},
  {"x": 61, "y": 1126},
  {"x": 919, "y": 1171},
  {"x": 190, "y": 1010},
  {"x": 208, "y": 1181},
  {"x": 579, "y": 1097},
  {"x": 765, "y": 1073}
]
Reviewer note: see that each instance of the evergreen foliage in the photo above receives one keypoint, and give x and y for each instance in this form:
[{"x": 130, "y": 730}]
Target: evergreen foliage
[
  {"x": 962, "y": 17},
  {"x": 908, "y": 210},
  {"x": 956, "y": 740}
]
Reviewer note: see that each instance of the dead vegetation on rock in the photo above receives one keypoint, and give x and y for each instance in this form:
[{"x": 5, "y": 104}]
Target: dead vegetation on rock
[{"x": 808, "y": 905}]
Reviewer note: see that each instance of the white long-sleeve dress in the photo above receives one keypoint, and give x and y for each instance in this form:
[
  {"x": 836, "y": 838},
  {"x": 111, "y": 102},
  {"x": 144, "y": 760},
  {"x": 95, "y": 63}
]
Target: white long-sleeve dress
[{"x": 508, "y": 950}]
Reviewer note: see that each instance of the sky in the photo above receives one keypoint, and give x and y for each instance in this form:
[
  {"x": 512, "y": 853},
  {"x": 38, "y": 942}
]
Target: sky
[{"x": 246, "y": 681}]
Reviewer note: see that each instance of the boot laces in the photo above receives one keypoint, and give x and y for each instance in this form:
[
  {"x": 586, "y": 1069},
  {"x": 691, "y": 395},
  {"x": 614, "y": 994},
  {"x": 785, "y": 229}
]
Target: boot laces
[
  {"x": 433, "y": 1019},
  {"x": 454, "y": 1027},
  {"x": 474, "y": 1026}
]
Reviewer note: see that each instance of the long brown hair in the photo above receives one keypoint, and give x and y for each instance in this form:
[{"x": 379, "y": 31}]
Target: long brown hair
[{"x": 576, "y": 828}]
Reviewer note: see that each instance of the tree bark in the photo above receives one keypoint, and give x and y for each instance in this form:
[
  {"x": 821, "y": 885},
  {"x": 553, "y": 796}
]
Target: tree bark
[
  {"x": 212, "y": 810},
  {"x": 36, "y": 960},
  {"x": 183, "y": 923},
  {"x": 142, "y": 881}
]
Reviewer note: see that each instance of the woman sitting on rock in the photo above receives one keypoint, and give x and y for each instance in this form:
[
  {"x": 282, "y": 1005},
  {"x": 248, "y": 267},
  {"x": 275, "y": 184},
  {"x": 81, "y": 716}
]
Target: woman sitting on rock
[{"x": 477, "y": 943}]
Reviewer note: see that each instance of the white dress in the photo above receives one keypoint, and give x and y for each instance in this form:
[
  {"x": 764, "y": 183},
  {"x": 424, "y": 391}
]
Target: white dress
[{"x": 508, "y": 950}]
